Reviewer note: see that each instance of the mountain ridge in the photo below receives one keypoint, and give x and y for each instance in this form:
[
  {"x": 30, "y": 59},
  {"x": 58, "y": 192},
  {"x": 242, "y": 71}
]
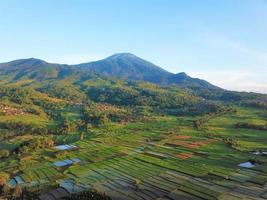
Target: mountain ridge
[{"x": 119, "y": 65}]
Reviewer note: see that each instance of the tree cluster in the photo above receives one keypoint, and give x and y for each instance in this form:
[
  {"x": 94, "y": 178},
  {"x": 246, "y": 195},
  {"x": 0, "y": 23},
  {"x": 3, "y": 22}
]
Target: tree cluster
[{"x": 251, "y": 126}]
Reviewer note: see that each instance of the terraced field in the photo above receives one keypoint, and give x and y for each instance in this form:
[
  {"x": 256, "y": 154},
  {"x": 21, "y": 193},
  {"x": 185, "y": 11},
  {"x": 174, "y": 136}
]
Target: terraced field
[{"x": 160, "y": 158}]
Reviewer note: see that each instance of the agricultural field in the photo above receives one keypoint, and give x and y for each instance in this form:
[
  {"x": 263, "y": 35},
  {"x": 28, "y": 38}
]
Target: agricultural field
[{"x": 159, "y": 157}]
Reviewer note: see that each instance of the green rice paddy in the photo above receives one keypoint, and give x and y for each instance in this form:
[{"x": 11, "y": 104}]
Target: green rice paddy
[{"x": 139, "y": 160}]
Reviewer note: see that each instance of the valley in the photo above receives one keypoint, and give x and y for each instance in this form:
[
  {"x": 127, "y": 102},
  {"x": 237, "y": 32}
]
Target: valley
[
  {"x": 159, "y": 157},
  {"x": 65, "y": 134}
]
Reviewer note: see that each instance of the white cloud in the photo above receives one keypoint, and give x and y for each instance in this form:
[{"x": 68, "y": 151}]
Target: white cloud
[
  {"x": 237, "y": 51},
  {"x": 259, "y": 55},
  {"x": 249, "y": 65},
  {"x": 248, "y": 81}
]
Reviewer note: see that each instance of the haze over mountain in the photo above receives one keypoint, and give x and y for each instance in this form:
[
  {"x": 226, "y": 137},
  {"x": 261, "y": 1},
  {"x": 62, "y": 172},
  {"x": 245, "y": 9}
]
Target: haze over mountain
[{"x": 122, "y": 65}]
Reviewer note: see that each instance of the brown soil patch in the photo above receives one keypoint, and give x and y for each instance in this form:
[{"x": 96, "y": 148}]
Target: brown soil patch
[
  {"x": 192, "y": 145},
  {"x": 184, "y": 155},
  {"x": 182, "y": 137},
  {"x": 26, "y": 157}
]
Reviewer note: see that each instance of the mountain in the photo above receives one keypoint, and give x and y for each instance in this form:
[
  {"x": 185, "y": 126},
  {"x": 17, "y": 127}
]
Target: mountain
[
  {"x": 122, "y": 65},
  {"x": 36, "y": 69},
  {"x": 184, "y": 80},
  {"x": 129, "y": 66}
]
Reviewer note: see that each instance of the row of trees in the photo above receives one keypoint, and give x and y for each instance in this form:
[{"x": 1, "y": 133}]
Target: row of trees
[
  {"x": 63, "y": 90},
  {"x": 16, "y": 94},
  {"x": 201, "y": 123},
  {"x": 232, "y": 142},
  {"x": 22, "y": 128},
  {"x": 36, "y": 143},
  {"x": 102, "y": 114},
  {"x": 257, "y": 103},
  {"x": 251, "y": 126},
  {"x": 6, "y": 134},
  {"x": 88, "y": 195},
  {"x": 52, "y": 109},
  {"x": 66, "y": 126}
]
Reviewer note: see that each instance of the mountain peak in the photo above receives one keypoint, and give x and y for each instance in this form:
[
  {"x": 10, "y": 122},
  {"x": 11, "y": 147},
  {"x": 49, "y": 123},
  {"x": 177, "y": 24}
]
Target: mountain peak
[
  {"x": 126, "y": 57},
  {"x": 27, "y": 61},
  {"x": 123, "y": 55},
  {"x": 182, "y": 74},
  {"x": 23, "y": 64}
]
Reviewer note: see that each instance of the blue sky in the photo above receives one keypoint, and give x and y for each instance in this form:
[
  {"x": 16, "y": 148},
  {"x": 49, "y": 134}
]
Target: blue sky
[{"x": 224, "y": 42}]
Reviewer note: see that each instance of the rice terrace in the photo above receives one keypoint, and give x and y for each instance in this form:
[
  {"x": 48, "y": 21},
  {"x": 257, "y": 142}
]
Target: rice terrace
[
  {"x": 120, "y": 127},
  {"x": 158, "y": 156}
]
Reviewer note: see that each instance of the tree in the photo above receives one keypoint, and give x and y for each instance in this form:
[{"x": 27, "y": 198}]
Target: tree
[
  {"x": 137, "y": 183},
  {"x": 81, "y": 136},
  {"x": 80, "y": 124},
  {"x": 102, "y": 120},
  {"x": 89, "y": 127},
  {"x": 24, "y": 149},
  {"x": 5, "y": 189},
  {"x": 66, "y": 127},
  {"x": 4, "y": 153},
  {"x": 50, "y": 142},
  {"x": 4, "y": 177},
  {"x": 17, "y": 192}
]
